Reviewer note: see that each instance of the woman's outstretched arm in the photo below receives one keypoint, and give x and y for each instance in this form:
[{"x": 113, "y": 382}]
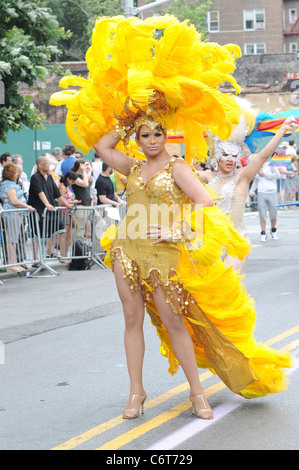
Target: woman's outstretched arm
[{"x": 249, "y": 172}]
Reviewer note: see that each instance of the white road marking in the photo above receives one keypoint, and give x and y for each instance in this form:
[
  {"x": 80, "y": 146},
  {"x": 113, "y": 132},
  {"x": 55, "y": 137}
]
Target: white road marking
[{"x": 198, "y": 425}]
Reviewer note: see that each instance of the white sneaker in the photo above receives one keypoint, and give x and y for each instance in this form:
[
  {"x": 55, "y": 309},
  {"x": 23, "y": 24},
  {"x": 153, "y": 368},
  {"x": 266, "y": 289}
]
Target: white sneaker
[
  {"x": 263, "y": 237},
  {"x": 274, "y": 235}
]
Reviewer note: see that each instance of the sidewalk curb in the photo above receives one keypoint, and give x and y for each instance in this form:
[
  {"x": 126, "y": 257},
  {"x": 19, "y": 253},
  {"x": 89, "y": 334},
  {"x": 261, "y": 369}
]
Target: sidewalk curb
[
  {"x": 55, "y": 264},
  {"x": 27, "y": 330},
  {"x": 6, "y": 275}
]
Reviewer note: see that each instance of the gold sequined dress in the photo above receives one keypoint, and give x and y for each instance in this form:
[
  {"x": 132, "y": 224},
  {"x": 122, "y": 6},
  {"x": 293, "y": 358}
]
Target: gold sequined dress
[{"x": 217, "y": 311}]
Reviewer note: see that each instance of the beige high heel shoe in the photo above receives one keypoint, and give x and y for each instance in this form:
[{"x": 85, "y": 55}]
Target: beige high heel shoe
[
  {"x": 131, "y": 413},
  {"x": 203, "y": 413}
]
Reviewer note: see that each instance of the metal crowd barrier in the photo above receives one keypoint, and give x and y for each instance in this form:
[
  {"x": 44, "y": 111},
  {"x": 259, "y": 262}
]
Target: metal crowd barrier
[
  {"x": 59, "y": 234},
  {"x": 20, "y": 238},
  {"x": 104, "y": 217},
  {"x": 74, "y": 235}
]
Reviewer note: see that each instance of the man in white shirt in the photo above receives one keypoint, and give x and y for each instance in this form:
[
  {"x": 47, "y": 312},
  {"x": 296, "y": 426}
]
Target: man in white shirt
[
  {"x": 291, "y": 148},
  {"x": 96, "y": 166},
  {"x": 265, "y": 183}
]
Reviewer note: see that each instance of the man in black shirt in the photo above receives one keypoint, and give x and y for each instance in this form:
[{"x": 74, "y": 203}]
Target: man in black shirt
[
  {"x": 42, "y": 194},
  {"x": 105, "y": 188}
]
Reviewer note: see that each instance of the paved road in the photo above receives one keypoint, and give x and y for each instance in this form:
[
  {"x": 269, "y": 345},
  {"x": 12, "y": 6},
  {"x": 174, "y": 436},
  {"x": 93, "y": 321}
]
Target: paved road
[{"x": 64, "y": 382}]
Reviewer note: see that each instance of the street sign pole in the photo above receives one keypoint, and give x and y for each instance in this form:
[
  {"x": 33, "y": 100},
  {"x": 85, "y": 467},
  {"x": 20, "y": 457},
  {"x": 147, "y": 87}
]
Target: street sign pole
[{"x": 130, "y": 10}]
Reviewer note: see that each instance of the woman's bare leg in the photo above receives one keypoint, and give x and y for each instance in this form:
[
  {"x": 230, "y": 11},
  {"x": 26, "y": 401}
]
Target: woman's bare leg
[
  {"x": 133, "y": 308},
  {"x": 11, "y": 251},
  {"x": 182, "y": 345},
  {"x": 65, "y": 241}
]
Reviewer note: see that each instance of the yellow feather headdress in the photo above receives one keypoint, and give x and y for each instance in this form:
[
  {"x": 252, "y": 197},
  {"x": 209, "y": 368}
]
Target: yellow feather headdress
[{"x": 128, "y": 60}]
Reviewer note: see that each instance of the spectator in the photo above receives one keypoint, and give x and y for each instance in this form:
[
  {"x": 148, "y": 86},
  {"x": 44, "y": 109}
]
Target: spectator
[
  {"x": 291, "y": 181},
  {"x": 265, "y": 181},
  {"x": 4, "y": 160},
  {"x": 70, "y": 158},
  {"x": 281, "y": 150},
  {"x": 65, "y": 182},
  {"x": 12, "y": 197},
  {"x": 57, "y": 153},
  {"x": 245, "y": 157},
  {"x": 291, "y": 148},
  {"x": 81, "y": 190},
  {"x": 58, "y": 166},
  {"x": 23, "y": 180},
  {"x": 42, "y": 194},
  {"x": 52, "y": 161},
  {"x": 112, "y": 177},
  {"x": 105, "y": 188},
  {"x": 96, "y": 167},
  {"x": 82, "y": 184}
]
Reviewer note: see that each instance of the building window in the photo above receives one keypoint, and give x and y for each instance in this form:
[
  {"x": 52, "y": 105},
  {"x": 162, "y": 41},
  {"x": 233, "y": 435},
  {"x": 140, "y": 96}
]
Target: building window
[
  {"x": 293, "y": 47},
  {"x": 213, "y": 21},
  {"x": 259, "y": 48},
  {"x": 292, "y": 15},
  {"x": 254, "y": 20}
]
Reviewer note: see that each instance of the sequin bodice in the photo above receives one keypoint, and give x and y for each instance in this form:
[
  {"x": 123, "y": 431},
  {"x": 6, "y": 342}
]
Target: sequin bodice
[
  {"x": 153, "y": 202},
  {"x": 231, "y": 200},
  {"x": 160, "y": 189}
]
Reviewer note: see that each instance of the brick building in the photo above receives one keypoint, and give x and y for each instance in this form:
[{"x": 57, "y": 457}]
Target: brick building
[{"x": 257, "y": 26}]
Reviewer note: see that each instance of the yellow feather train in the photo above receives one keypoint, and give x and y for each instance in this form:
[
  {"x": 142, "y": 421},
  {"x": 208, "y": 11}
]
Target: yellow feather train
[{"x": 223, "y": 314}]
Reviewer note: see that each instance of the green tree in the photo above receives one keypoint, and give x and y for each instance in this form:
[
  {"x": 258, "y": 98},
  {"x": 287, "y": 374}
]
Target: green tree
[
  {"x": 28, "y": 37},
  {"x": 79, "y": 16}
]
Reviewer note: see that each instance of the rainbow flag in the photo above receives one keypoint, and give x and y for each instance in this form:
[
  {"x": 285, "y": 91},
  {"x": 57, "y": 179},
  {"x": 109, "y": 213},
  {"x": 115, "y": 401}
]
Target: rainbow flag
[
  {"x": 273, "y": 123},
  {"x": 280, "y": 160},
  {"x": 175, "y": 139}
]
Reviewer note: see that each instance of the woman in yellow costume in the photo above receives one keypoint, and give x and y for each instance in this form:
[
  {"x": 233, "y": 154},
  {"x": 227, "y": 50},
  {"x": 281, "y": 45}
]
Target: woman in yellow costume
[{"x": 167, "y": 252}]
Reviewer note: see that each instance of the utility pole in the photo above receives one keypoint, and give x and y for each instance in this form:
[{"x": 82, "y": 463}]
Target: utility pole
[{"x": 130, "y": 10}]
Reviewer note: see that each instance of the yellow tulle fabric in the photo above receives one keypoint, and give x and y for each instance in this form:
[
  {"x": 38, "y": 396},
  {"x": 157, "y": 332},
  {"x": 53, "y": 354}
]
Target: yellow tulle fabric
[
  {"x": 127, "y": 58},
  {"x": 218, "y": 312}
]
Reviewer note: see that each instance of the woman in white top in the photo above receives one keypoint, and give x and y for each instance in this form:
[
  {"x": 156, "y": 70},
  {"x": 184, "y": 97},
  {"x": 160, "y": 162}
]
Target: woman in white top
[{"x": 231, "y": 182}]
